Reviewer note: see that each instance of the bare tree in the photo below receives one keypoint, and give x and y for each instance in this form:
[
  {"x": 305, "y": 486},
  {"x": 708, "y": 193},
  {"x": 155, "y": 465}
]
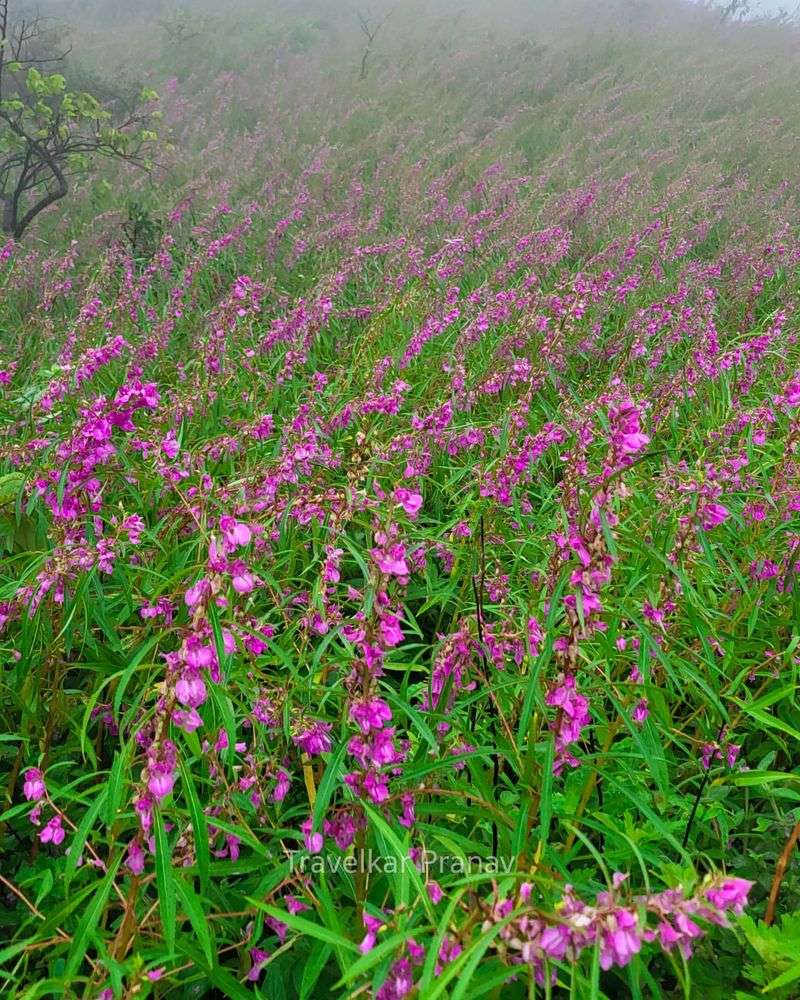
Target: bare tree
[
  {"x": 48, "y": 133},
  {"x": 370, "y": 28},
  {"x": 735, "y": 9},
  {"x": 178, "y": 26}
]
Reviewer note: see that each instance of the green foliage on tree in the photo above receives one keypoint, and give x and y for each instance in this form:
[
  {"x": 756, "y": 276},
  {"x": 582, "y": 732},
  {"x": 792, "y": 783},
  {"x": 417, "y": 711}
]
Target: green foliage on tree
[{"x": 50, "y": 133}]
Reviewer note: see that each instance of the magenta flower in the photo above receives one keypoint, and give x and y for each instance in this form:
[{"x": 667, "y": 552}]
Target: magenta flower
[
  {"x": 34, "y": 787},
  {"x": 258, "y": 957},
  {"x": 410, "y": 502},
  {"x": 281, "y": 789},
  {"x": 295, "y": 905},
  {"x": 161, "y": 781},
  {"x": 435, "y": 892},
  {"x": 235, "y": 533},
  {"x": 170, "y": 445},
  {"x": 189, "y": 721},
  {"x": 242, "y": 580},
  {"x": 190, "y": 690},
  {"x": 373, "y": 926},
  {"x": 408, "y": 816},
  {"x": 315, "y": 739},
  {"x": 730, "y": 894},
  {"x": 369, "y": 715},
  {"x": 713, "y": 514},
  {"x": 52, "y": 832},
  {"x": 392, "y": 561},
  {"x": 620, "y": 940},
  {"x": 391, "y": 632},
  {"x": 314, "y": 841},
  {"x": 135, "y": 858}
]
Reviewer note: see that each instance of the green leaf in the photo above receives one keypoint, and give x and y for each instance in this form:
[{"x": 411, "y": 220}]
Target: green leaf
[
  {"x": 303, "y": 926},
  {"x": 199, "y": 826},
  {"x": 165, "y": 882},
  {"x": 197, "y": 918},
  {"x": 88, "y": 923}
]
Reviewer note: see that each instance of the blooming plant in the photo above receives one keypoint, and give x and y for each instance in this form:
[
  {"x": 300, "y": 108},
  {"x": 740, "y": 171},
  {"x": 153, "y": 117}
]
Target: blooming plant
[{"x": 399, "y": 561}]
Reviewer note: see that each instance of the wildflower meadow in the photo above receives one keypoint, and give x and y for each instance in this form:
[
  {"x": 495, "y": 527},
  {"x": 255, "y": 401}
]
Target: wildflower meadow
[{"x": 400, "y": 506}]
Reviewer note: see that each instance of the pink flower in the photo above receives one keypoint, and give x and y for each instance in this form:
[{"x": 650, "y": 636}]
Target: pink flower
[
  {"x": 730, "y": 894},
  {"x": 135, "y": 858},
  {"x": 281, "y": 789},
  {"x": 410, "y": 502},
  {"x": 392, "y": 562},
  {"x": 34, "y": 787},
  {"x": 53, "y": 832},
  {"x": 161, "y": 782},
  {"x": 713, "y": 514},
  {"x": 199, "y": 655},
  {"x": 370, "y": 715},
  {"x": 242, "y": 579},
  {"x": 190, "y": 690},
  {"x": 535, "y": 635},
  {"x": 314, "y": 841},
  {"x": 435, "y": 892},
  {"x": 408, "y": 816},
  {"x": 188, "y": 721},
  {"x": 315, "y": 738},
  {"x": 390, "y": 630},
  {"x": 235, "y": 533},
  {"x": 376, "y": 787},
  {"x": 373, "y": 925},
  {"x": 170, "y": 445},
  {"x": 631, "y": 443},
  {"x": 620, "y": 940},
  {"x": 194, "y": 595},
  {"x": 258, "y": 958}
]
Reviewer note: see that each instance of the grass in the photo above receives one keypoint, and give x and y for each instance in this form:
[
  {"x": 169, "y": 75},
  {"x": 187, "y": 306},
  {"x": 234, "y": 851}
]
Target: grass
[{"x": 424, "y": 487}]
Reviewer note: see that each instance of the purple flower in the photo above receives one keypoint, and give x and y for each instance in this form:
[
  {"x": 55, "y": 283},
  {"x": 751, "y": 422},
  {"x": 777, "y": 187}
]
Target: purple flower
[
  {"x": 34, "y": 787},
  {"x": 373, "y": 925},
  {"x": 372, "y": 714},
  {"x": 190, "y": 690},
  {"x": 52, "y": 832},
  {"x": 314, "y": 739},
  {"x": 435, "y": 891},
  {"x": 161, "y": 781},
  {"x": 258, "y": 959},
  {"x": 135, "y": 858},
  {"x": 242, "y": 580},
  {"x": 713, "y": 514},
  {"x": 732, "y": 753},
  {"x": 410, "y": 502},
  {"x": 620, "y": 940},
  {"x": 314, "y": 841},
  {"x": 235, "y": 533},
  {"x": 730, "y": 894}
]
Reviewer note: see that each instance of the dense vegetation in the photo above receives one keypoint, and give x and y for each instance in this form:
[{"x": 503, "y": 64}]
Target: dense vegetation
[{"x": 400, "y": 514}]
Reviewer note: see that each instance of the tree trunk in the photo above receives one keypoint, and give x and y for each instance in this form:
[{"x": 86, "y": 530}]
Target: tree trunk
[{"x": 9, "y": 223}]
